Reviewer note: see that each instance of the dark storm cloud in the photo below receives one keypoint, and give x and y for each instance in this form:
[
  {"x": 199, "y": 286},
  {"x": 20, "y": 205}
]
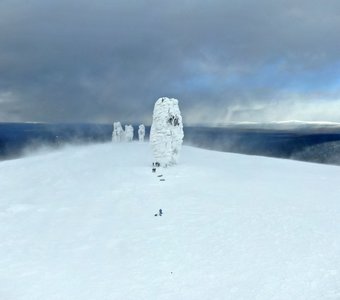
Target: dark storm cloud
[{"x": 108, "y": 60}]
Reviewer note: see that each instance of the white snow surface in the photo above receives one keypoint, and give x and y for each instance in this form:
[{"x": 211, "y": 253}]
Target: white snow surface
[{"x": 78, "y": 223}]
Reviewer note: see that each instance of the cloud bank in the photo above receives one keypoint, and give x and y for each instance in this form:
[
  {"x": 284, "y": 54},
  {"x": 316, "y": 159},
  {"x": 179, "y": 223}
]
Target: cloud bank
[{"x": 85, "y": 61}]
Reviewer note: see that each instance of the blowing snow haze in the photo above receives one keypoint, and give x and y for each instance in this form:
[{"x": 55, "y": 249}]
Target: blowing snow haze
[{"x": 85, "y": 61}]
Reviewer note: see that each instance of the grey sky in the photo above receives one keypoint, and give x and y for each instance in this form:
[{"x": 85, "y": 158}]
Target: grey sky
[{"x": 99, "y": 61}]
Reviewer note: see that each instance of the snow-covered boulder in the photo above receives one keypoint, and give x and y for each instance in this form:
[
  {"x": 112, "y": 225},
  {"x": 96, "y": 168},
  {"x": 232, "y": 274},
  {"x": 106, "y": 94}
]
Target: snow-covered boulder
[
  {"x": 117, "y": 133},
  {"x": 141, "y": 132},
  {"x": 166, "y": 135},
  {"x": 128, "y": 133}
]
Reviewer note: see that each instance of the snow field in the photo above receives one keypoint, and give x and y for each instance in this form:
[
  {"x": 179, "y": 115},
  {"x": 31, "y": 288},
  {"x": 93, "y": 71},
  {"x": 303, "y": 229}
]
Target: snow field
[{"x": 79, "y": 224}]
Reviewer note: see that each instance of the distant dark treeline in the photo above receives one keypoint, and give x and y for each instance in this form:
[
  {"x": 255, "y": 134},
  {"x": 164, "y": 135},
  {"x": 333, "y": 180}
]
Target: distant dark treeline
[{"x": 312, "y": 144}]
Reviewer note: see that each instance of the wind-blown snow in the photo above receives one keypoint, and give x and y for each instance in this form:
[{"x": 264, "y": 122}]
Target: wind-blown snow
[{"x": 79, "y": 224}]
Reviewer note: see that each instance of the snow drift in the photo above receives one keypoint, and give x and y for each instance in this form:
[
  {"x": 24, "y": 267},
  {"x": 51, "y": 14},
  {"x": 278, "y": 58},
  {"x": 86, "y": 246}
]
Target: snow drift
[{"x": 79, "y": 224}]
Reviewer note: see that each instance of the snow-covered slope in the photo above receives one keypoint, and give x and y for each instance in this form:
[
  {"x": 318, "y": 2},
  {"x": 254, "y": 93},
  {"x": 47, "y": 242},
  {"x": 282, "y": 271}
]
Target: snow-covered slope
[{"x": 79, "y": 224}]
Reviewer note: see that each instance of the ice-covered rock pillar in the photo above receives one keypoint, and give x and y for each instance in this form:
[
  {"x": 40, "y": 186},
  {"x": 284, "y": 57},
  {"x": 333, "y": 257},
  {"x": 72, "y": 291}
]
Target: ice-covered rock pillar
[
  {"x": 118, "y": 132},
  {"x": 128, "y": 133},
  {"x": 166, "y": 135},
  {"x": 141, "y": 132}
]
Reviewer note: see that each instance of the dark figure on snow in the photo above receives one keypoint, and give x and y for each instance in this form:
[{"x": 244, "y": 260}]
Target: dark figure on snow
[{"x": 160, "y": 212}]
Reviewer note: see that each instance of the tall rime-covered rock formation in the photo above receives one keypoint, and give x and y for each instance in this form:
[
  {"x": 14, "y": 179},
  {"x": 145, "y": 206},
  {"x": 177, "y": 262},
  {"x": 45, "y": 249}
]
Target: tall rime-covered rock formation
[
  {"x": 117, "y": 133},
  {"x": 166, "y": 135},
  {"x": 128, "y": 133},
  {"x": 141, "y": 132}
]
